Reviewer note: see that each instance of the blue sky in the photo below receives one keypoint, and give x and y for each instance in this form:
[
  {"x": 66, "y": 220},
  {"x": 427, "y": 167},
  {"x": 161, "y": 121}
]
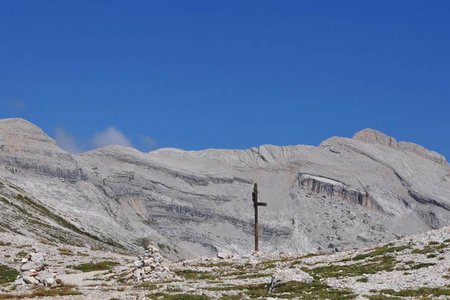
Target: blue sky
[{"x": 226, "y": 74}]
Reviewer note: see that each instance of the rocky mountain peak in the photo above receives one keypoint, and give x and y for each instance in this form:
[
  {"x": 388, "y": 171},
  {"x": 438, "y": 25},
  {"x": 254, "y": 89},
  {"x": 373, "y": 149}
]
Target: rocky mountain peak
[
  {"x": 373, "y": 136},
  {"x": 18, "y": 132}
]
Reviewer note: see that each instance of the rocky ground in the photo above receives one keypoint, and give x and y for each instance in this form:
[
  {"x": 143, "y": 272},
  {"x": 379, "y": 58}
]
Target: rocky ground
[{"x": 413, "y": 267}]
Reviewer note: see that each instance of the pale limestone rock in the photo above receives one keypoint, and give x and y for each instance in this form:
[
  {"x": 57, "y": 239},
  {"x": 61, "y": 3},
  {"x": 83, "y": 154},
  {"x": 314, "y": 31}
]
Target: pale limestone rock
[
  {"x": 30, "y": 280},
  {"x": 288, "y": 275},
  {"x": 197, "y": 203},
  {"x": 19, "y": 281},
  {"x": 224, "y": 255},
  {"x": 29, "y": 266}
]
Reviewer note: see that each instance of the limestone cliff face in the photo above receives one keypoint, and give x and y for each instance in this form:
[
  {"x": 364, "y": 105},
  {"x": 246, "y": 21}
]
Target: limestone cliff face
[
  {"x": 377, "y": 137},
  {"x": 327, "y": 187},
  {"x": 24, "y": 146},
  {"x": 195, "y": 203}
]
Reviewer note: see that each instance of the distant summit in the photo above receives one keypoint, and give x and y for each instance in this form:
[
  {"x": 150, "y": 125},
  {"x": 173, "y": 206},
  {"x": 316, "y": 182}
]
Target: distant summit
[{"x": 377, "y": 137}]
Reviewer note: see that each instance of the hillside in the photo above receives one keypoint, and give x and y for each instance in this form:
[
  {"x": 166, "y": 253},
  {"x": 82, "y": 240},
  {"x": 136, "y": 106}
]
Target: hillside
[{"x": 346, "y": 193}]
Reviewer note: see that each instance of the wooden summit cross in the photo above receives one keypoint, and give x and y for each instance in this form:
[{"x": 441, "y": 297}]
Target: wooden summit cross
[{"x": 255, "y": 205}]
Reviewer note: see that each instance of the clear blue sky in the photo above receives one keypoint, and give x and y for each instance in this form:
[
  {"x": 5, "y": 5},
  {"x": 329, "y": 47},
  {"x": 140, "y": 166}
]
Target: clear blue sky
[{"x": 227, "y": 74}]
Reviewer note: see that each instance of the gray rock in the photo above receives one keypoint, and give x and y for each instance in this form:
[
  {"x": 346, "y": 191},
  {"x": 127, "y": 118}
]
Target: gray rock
[
  {"x": 138, "y": 274},
  {"x": 42, "y": 276},
  {"x": 224, "y": 255},
  {"x": 49, "y": 281},
  {"x": 19, "y": 281},
  {"x": 29, "y": 266},
  {"x": 30, "y": 280},
  {"x": 138, "y": 263},
  {"x": 191, "y": 203},
  {"x": 37, "y": 257},
  {"x": 288, "y": 275}
]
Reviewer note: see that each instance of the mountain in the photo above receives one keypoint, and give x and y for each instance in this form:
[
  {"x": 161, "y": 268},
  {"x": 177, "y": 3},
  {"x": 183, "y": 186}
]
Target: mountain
[{"x": 345, "y": 193}]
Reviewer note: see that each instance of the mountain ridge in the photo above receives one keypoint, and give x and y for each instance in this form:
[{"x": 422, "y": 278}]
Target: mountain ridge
[
  {"x": 342, "y": 194},
  {"x": 367, "y": 135}
]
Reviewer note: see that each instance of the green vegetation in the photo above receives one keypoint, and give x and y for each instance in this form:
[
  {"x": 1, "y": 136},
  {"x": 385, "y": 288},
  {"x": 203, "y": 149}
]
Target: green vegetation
[
  {"x": 65, "y": 251},
  {"x": 147, "y": 286},
  {"x": 377, "y": 264},
  {"x": 383, "y": 297},
  {"x": 231, "y": 297},
  {"x": 47, "y": 242},
  {"x": 314, "y": 290},
  {"x": 389, "y": 248},
  {"x": 4, "y": 244},
  {"x": 302, "y": 290},
  {"x": 61, "y": 221},
  {"x": 252, "y": 275},
  {"x": 255, "y": 291},
  {"x": 421, "y": 266},
  {"x": 270, "y": 264},
  {"x": 167, "y": 296},
  {"x": 43, "y": 210},
  {"x": 431, "y": 248},
  {"x": 222, "y": 288},
  {"x": 412, "y": 265},
  {"x": 22, "y": 254},
  {"x": 420, "y": 292},
  {"x": 45, "y": 292},
  {"x": 98, "y": 266},
  {"x": 220, "y": 264},
  {"x": 7, "y": 274}
]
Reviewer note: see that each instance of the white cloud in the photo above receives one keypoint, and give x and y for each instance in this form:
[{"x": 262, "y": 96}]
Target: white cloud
[
  {"x": 66, "y": 141},
  {"x": 110, "y": 136},
  {"x": 148, "y": 142}
]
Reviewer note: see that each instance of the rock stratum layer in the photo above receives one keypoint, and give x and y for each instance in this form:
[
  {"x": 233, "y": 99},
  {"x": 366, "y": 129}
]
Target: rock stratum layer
[{"x": 343, "y": 194}]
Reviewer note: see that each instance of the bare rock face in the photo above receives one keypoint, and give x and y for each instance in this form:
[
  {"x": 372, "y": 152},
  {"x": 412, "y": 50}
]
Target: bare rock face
[
  {"x": 198, "y": 203},
  {"x": 326, "y": 187},
  {"x": 24, "y": 146},
  {"x": 377, "y": 137}
]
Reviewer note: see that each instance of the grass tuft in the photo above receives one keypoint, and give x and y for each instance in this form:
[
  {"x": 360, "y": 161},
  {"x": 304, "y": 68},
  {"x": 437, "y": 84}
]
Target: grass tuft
[
  {"x": 98, "y": 266},
  {"x": 381, "y": 251},
  {"x": 7, "y": 274},
  {"x": 378, "y": 264}
]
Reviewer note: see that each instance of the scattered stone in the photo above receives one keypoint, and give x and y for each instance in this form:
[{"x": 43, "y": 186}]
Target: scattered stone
[
  {"x": 148, "y": 268},
  {"x": 224, "y": 255},
  {"x": 33, "y": 271},
  {"x": 287, "y": 275},
  {"x": 19, "y": 281},
  {"x": 30, "y": 280}
]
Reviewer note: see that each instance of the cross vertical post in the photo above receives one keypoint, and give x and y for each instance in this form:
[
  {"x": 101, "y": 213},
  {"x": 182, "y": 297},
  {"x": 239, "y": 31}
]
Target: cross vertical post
[{"x": 255, "y": 205}]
